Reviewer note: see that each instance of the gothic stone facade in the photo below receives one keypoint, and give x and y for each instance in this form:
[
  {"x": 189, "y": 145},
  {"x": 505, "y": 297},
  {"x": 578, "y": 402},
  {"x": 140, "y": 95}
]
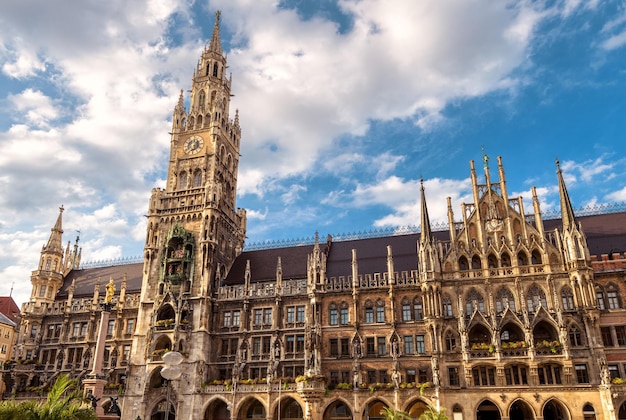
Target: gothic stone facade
[{"x": 503, "y": 316}]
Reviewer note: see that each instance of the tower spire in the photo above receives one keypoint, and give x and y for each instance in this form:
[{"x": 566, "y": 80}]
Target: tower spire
[
  {"x": 55, "y": 244},
  {"x": 216, "y": 42},
  {"x": 567, "y": 212},
  {"x": 425, "y": 233}
]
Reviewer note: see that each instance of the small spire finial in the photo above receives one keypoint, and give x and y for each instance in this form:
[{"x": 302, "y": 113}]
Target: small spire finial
[{"x": 485, "y": 158}]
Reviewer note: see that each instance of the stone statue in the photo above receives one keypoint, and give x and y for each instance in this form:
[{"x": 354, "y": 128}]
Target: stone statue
[
  {"x": 92, "y": 398},
  {"x": 110, "y": 291},
  {"x": 114, "y": 408}
]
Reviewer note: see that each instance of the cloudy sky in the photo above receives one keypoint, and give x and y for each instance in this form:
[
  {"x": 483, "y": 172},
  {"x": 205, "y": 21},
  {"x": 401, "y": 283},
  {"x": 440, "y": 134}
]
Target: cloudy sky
[{"x": 344, "y": 105}]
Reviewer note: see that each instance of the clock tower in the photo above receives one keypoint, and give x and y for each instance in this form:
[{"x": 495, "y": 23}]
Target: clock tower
[{"x": 194, "y": 229}]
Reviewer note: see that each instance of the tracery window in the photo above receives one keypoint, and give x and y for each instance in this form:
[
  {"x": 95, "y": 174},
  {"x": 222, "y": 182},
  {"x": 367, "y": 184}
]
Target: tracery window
[
  {"x": 474, "y": 300},
  {"x": 535, "y": 298},
  {"x": 197, "y": 178},
  {"x": 504, "y": 299},
  {"x": 575, "y": 336},
  {"x": 612, "y": 297},
  {"x": 182, "y": 180},
  {"x": 567, "y": 299},
  {"x": 446, "y": 304}
]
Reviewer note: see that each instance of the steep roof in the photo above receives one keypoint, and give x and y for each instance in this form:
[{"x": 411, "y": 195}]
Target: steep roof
[
  {"x": 606, "y": 233},
  {"x": 8, "y": 307},
  {"x": 86, "y": 279},
  {"x": 5, "y": 320}
]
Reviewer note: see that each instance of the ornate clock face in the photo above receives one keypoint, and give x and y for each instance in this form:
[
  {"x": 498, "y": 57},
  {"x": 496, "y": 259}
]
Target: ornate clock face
[{"x": 193, "y": 144}]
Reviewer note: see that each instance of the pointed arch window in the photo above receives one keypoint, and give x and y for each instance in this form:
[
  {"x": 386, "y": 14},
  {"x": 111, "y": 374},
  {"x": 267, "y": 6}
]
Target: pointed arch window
[
  {"x": 380, "y": 311},
  {"x": 473, "y": 301},
  {"x": 504, "y": 299},
  {"x": 215, "y": 70},
  {"x": 535, "y": 298},
  {"x": 522, "y": 258},
  {"x": 418, "y": 309},
  {"x": 182, "y": 180},
  {"x": 201, "y": 100},
  {"x": 505, "y": 259},
  {"x": 612, "y": 297},
  {"x": 575, "y": 336},
  {"x": 369, "y": 312},
  {"x": 492, "y": 261},
  {"x": 536, "y": 257},
  {"x": 463, "y": 264},
  {"x": 450, "y": 339},
  {"x": 476, "y": 265},
  {"x": 446, "y": 304},
  {"x": 333, "y": 314},
  {"x": 197, "y": 178},
  {"x": 344, "y": 315},
  {"x": 567, "y": 299},
  {"x": 600, "y": 299}
]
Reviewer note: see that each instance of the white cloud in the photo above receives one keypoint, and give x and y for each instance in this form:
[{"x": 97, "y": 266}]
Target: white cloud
[
  {"x": 34, "y": 106},
  {"x": 619, "y": 195}
]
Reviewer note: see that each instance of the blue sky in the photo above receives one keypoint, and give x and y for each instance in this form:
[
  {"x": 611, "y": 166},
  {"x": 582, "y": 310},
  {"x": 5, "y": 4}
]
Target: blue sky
[{"x": 344, "y": 106}]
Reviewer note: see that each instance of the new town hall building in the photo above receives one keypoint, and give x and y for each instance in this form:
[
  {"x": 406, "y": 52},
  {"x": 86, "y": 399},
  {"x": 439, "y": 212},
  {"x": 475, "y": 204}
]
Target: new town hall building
[{"x": 504, "y": 315}]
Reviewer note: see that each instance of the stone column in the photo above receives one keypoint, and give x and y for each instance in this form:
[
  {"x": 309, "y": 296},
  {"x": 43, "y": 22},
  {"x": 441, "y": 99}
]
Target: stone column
[{"x": 94, "y": 382}]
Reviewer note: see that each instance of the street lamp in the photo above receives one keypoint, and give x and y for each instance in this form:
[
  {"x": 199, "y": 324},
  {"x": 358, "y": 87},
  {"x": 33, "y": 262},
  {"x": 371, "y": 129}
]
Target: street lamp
[{"x": 170, "y": 372}]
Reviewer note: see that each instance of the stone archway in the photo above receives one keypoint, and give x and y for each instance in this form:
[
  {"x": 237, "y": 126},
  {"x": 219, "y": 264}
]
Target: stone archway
[
  {"x": 519, "y": 410},
  {"x": 373, "y": 410},
  {"x": 252, "y": 409},
  {"x": 554, "y": 410},
  {"x": 416, "y": 409},
  {"x": 338, "y": 410},
  {"x": 621, "y": 415},
  {"x": 217, "y": 410},
  {"x": 487, "y": 411},
  {"x": 289, "y": 409},
  {"x": 158, "y": 412}
]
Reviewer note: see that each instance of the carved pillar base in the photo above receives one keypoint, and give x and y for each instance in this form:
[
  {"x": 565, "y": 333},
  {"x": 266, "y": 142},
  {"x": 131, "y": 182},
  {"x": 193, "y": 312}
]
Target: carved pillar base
[{"x": 96, "y": 386}]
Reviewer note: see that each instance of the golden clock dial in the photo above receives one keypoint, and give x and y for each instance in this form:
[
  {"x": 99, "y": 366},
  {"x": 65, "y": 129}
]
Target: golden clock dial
[{"x": 193, "y": 145}]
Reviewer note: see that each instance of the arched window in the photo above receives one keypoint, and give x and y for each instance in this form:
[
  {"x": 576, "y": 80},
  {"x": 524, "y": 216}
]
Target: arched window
[
  {"x": 567, "y": 299},
  {"x": 380, "y": 311},
  {"x": 492, "y": 261},
  {"x": 600, "y": 299},
  {"x": 333, "y": 314},
  {"x": 446, "y": 306},
  {"x": 484, "y": 375},
  {"x": 182, "y": 180},
  {"x": 369, "y": 312},
  {"x": 474, "y": 300},
  {"x": 522, "y": 258},
  {"x": 575, "y": 337},
  {"x": 197, "y": 178},
  {"x": 418, "y": 309},
  {"x": 208, "y": 68},
  {"x": 463, "y": 264},
  {"x": 588, "y": 412},
  {"x": 504, "y": 299},
  {"x": 215, "y": 68},
  {"x": 201, "y": 100},
  {"x": 200, "y": 121},
  {"x": 450, "y": 339},
  {"x": 535, "y": 297},
  {"x": 476, "y": 262},
  {"x": 612, "y": 297},
  {"x": 505, "y": 260},
  {"x": 536, "y": 257}
]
